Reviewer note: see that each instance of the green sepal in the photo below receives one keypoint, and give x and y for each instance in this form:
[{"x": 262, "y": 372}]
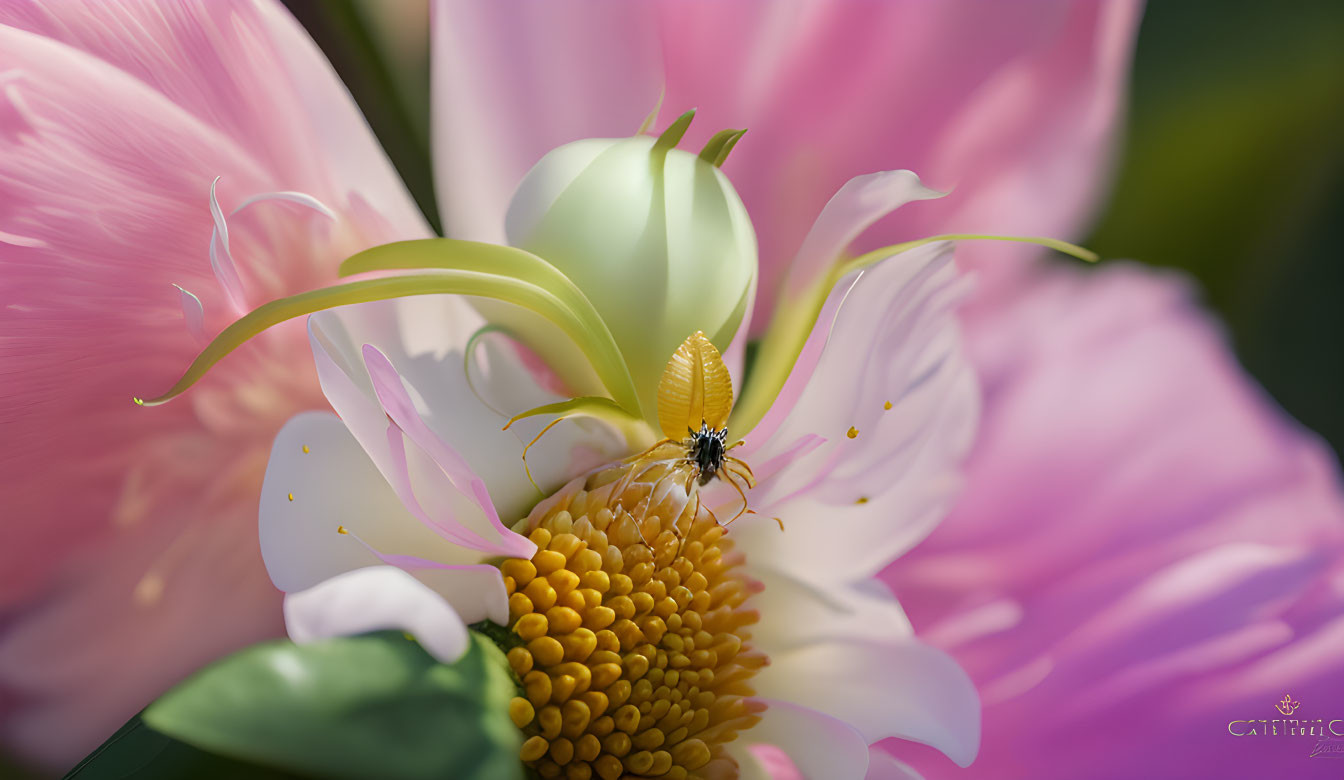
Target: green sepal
[
  {"x": 137, "y": 752},
  {"x": 375, "y": 705},
  {"x": 674, "y": 132},
  {"x": 717, "y": 149},
  {"x": 459, "y": 267}
]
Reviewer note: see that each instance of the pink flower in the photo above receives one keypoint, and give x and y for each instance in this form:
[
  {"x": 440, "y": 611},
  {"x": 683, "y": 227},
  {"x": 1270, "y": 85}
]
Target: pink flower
[
  {"x": 1146, "y": 550},
  {"x": 130, "y": 554},
  {"x": 1015, "y": 109}
]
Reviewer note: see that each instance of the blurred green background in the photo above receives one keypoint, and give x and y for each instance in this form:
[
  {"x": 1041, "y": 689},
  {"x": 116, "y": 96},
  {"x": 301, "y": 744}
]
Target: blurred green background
[
  {"x": 1233, "y": 170},
  {"x": 1232, "y": 167}
]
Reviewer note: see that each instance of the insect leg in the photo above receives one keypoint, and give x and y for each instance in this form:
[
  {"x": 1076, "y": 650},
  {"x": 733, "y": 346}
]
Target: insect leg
[
  {"x": 728, "y": 476},
  {"x": 744, "y": 470},
  {"x": 528, "y": 446}
]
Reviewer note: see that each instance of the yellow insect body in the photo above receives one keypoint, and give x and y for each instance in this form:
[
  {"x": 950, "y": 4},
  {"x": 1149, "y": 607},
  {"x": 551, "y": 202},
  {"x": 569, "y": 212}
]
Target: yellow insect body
[{"x": 695, "y": 389}]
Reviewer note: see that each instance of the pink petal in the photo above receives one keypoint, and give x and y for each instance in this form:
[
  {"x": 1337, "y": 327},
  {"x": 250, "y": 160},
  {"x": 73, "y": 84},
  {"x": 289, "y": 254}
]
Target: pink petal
[
  {"x": 1146, "y": 550},
  {"x": 1018, "y": 120},
  {"x": 512, "y": 82},
  {"x": 108, "y": 145},
  {"x": 248, "y": 70}
]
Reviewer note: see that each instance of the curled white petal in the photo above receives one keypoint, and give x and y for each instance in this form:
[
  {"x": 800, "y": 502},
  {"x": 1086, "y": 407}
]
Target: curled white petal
[
  {"x": 221, "y": 260},
  {"x": 299, "y": 198},
  {"x": 194, "y": 314},
  {"x": 862, "y": 201},
  {"x": 374, "y": 599}
]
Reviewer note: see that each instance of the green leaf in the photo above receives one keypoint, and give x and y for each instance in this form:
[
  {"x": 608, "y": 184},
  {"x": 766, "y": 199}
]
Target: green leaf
[
  {"x": 371, "y": 706},
  {"x": 137, "y": 752}
]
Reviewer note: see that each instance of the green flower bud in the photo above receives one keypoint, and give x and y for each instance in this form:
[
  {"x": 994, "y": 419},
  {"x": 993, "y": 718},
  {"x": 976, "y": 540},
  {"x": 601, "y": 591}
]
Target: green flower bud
[{"x": 655, "y": 237}]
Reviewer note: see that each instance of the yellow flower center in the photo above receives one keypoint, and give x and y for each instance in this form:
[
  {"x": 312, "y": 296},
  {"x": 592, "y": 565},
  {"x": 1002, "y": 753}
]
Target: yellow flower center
[{"x": 634, "y": 657}]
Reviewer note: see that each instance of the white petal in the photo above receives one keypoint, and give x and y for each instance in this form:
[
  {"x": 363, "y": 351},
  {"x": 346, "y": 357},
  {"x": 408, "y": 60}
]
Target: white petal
[
  {"x": 820, "y": 747},
  {"x": 796, "y": 613},
  {"x": 884, "y": 766},
  {"x": 425, "y": 338},
  {"x": 375, "y": 599},
  {"x": 843, "y": 543},
  {"x": 884, "y": 689},
  {"x": 476, "y": 593},
  {"x": 883, "y": 474},
  {"x": 334, "y": 484}
]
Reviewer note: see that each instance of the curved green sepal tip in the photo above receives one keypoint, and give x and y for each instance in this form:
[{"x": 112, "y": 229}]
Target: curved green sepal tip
[
  {"x": 1063, "y": 247},
  {"x": 674, "y": 132},
  {"x": 718, "y": 148},
  {"x": 590, "y": 405}
]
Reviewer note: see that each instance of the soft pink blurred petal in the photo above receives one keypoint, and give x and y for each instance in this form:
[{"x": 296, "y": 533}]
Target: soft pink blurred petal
[
  {"x": 125, "y": 522},
  {"x": 512, "y": 81},
  {"x": 1146, "y": 548},
  {"x": 1011, "y": 104}
]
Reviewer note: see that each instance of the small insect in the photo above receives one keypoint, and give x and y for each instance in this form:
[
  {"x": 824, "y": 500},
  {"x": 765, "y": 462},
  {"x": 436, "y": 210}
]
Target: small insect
[
  {"x": 707, "y": 449},
  {"x": 695, "y": 395}
]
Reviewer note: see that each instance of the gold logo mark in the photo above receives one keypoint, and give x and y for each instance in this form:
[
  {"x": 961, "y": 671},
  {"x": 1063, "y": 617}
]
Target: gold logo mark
[{"x": 1287, "y": 706}]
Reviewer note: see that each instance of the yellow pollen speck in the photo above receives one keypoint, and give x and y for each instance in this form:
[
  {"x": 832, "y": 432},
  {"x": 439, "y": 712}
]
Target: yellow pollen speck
[
  {"x": 886, "y": 405},
  {"x": 635, "y": 657},
  {"x": 291, "y": 496},
  {"x": 148, "y": 590},
  {"x": 340, "y": 529},
  {"x": 852, "y": 432},
  {"x": 138, "y": 401},
  {"x": 306, "y": 450},
  {"x": 861, "y": 500}
]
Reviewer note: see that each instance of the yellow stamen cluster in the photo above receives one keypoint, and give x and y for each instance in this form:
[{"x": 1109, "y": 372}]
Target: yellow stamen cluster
[{"x": 632, "y": 659}]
